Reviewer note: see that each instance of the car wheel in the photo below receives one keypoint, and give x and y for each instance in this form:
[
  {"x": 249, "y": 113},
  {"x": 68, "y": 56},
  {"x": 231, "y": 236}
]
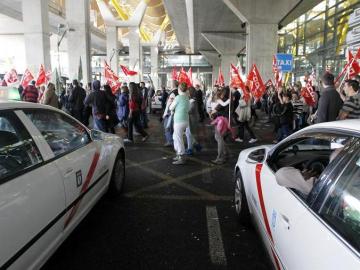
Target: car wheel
[
  {"x": 118, "y": 175},
  {"x": 241, "y": 205}
]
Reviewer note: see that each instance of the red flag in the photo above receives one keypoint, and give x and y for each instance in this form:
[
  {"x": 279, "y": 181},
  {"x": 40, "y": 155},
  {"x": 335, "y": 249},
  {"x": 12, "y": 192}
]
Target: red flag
[
  {"x": 354, "y": 68},
  {"x": 235, "y": 78},
  {"x": 183, "y": 77},
  {"x": 236, "y": 81},
  {"x": 308, "y": 94},
  {"x": 11, "y": 76},
  {"x": 277, "y": 76},
  {"x": 347, "y": 66},
  {"x": 41, "y": 77},
  {"x": 127, "y": 71},
  {"x": 220, "y": 80},
  {"x": 48, "y": 76},
  {"x": 111, "y": 78},
  {"x": 189, "y": 74},
  {"x": 175, "y": 76},
  {"x": 26, "y": 78},
  {"x": 257, "y": 88}
]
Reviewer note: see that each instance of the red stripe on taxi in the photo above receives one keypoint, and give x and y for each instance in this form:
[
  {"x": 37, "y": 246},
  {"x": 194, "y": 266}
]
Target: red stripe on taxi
[
  {"x": 84, "y": 187},
  {"x": 263, "y": 210}
]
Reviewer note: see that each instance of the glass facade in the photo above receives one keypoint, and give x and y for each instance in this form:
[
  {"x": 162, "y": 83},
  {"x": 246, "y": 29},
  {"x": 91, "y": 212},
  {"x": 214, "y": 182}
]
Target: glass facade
[{"x": 317, "y": 38}]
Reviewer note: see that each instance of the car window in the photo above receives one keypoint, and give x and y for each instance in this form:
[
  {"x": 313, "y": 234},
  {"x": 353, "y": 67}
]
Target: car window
[
  {"x": 307, "y": 157},
  {"x": 341, "y": 209},
  {"x": 18, "y": 151},
  {"x": 312, "y": 151},
  {"x": 62, "y": 133}
]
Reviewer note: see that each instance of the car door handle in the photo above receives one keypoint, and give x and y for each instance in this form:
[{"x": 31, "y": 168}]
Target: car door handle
[
  {"x": 285, "y": 221},
  {"x": 68, "y": 171}
]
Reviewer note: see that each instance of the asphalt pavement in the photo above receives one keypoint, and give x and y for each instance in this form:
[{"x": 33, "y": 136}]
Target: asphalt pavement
[{"x": 169, "y": 217}]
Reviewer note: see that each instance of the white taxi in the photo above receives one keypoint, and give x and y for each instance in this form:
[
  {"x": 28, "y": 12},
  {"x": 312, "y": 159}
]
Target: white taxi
[
  {"x": 303, "y": 196},
  {"x": 52, "y": 172}
]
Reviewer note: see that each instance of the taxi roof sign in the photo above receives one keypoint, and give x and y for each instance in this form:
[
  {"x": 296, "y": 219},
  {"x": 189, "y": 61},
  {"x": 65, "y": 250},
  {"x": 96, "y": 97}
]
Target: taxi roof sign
[{"x": 9, "y": 93}]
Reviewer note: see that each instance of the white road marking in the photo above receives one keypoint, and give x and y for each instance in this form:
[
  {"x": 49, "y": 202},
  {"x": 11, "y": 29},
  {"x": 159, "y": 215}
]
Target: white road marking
[{"x": 216, "y": 246}]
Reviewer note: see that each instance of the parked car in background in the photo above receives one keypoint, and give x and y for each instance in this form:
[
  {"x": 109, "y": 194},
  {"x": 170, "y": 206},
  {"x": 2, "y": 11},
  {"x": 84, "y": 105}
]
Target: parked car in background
[
  {"x": 303, "y": 196},
  {"x": 156, "y": 102}
]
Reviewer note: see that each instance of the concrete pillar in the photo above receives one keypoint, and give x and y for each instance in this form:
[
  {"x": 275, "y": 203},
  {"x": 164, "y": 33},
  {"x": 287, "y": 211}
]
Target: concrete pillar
[
  {"x": 135, "y": 59},
  {"x": 78, "y": 19},
  {"x": 228, "y": 45},
  {"x": 213, "y": 58},
  {"x": 36, "y": 34},
  {"x": 112, "y": 48},
  {"x": 154, "y": 54},
  {"x": 262, "y": 18},
  {"x": 261, "y": 45}
]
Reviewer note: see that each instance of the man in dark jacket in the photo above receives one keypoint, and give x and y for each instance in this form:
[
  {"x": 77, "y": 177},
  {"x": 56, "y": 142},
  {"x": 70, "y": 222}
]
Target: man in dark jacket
[
  {"x": 330, "y": 101},
  {"x": 97, "y": 100},
  {"x": 200, "y": 102},
  {"x": 76, "y": 99},
  {"x": 144, "y": 103}
]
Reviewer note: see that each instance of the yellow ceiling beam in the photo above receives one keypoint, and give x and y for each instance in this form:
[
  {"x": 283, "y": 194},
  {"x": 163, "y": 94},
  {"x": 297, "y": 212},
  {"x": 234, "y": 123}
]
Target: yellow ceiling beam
[{"x": 122, "y": 14}]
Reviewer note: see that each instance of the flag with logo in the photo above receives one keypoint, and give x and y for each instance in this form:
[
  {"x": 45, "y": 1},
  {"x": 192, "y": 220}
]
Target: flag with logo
[
  {"x": 349, "y": 67},
  {"x": 237, "y": 82},
  {"x": 127, "y": 71},
  {"x": 354, "y": 68},
  {"x": 41, "y": 77},
  {"x": 111, "y": 78},
  {"x": 183, "y": 77},
  {"x": 277, "y": 75},
  {"x": 174, "y": 74},
  {"x": 257, "y": 85},
  {"x": 26, "y": 78},
  {"x": 220, "y": 80},
  {"x": 11, "y": 76},
  {"x": 308, "y": 94},
  {"x": 48, "y": 76}
]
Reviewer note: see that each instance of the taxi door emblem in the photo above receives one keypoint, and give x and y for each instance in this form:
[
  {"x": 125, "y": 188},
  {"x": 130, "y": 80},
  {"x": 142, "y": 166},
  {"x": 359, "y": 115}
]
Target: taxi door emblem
[{"x": 78, "y": 178}]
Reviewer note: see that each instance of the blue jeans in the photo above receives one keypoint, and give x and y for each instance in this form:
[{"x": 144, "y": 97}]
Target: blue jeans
[
  {"x": 283, "y": 132},
  {"x": 168, "y": 130},
  {"x": 99, "y": 124},
  {"x": 144, "y": 119}
]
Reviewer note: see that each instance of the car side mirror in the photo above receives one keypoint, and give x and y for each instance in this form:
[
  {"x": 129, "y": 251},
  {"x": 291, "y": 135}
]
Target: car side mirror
[
  {"x": 96, "y": 135},
  {"x": 256, "y": 156}
]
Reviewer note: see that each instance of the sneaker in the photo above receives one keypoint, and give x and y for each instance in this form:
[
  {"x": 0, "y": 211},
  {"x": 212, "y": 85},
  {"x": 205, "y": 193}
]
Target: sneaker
[
  {"x": 218, "y": 161},
  {"x": 167, "y": 144},
  {"x": 145, "y": 138},
  {"x": 239, "y": 140},
  {"x": 176, "y": 158},
  {"x": 189, "y": 152},
  {"x": 126, "y": 140},
  {"x": 253, "y": 140},
  {"x": 180, "y": 161}
]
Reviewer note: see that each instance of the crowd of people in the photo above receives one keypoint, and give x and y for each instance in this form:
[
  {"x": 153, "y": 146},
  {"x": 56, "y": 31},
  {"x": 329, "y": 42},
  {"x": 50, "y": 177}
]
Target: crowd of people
[{"x": 231, "y": 111}]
